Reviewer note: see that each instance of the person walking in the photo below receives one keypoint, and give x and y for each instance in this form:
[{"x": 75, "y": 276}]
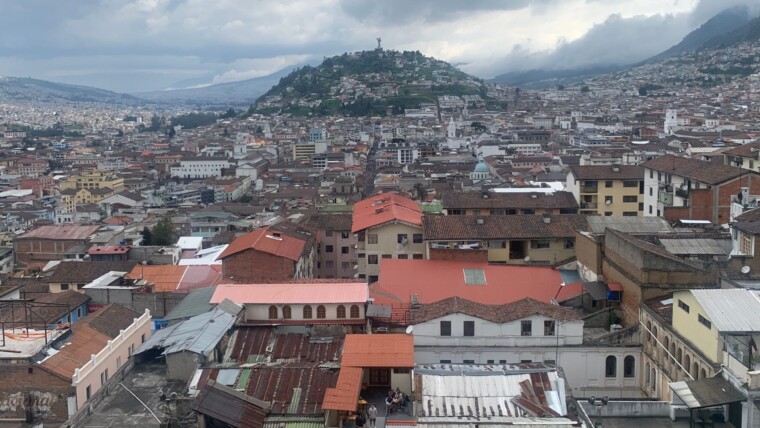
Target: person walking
[{"x": 372, "y": 414}]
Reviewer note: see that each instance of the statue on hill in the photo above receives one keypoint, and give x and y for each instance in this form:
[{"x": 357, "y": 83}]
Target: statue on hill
[{"x": 379, "y": 39}]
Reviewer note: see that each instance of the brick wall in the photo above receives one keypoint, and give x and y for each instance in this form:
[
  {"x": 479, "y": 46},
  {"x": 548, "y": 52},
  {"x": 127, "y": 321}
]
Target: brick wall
[
  {"x": 713, "y": 204},
  {"x": 256, "y": 266},
  {"x": 453, "y": 254},
  {"x": 30, "y": 250},
  {"x": 48, "y": 393}
]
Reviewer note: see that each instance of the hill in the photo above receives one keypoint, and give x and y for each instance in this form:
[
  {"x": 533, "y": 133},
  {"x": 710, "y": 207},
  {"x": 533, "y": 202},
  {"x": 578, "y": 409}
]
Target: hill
[
  {"x": 240, "y": 93},
  {"x": 717, "y": 28},
  {"x": 368, "y": 83},
  {"x": 24, "y": 89},
  {"x": 540, "y": 78},
  {"x": 749, "y": 32}
]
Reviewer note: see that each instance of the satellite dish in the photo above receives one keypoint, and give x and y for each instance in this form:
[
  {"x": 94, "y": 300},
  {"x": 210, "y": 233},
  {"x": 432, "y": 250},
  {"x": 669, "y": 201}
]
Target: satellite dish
[
  {"x": 409, "y": 329},
  {"x": 607, "y": 202},
  {"x": 745, "y": 269},
  {"x": 527, "y": 259}
]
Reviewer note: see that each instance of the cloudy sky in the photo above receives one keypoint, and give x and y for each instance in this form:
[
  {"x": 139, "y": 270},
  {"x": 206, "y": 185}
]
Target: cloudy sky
[{"x": 141, "y": 45}]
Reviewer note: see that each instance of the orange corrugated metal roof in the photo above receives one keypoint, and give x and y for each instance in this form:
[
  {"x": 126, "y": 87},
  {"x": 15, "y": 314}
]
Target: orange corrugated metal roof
[
  {"x": 378, "y": 350},
  {"x": 166, "y": 278},
  {"x": 85, "y": 342},
  {"x": 345, "y": 395},
  {"x": 383, "y": 208},
  {"x": 262, "y": 240},
  {"x": 614, "y": 286}
]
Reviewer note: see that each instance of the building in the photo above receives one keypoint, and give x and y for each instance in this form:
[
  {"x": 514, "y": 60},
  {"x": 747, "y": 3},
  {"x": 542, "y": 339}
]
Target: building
[
  {"x": 522, "y": 239},
  {"x": 389, "y": 226},
  {"x": 336, "y": 245},
  {"x": 527, "y": 202},
  {"x": 616, "y": 190},
  {"x": 269, "y": 254},
  {"x": 679, "y": 188},
  {"x": 200, "y": 167},
  {"x": 47, "y": 243},
  {"x": 326, "y": 303},
  {"x": 94, "y": 180}
]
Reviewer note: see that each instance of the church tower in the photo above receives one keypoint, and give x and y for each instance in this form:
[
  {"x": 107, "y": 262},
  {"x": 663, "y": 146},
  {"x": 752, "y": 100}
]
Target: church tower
[{"x": 452, "y": 129}]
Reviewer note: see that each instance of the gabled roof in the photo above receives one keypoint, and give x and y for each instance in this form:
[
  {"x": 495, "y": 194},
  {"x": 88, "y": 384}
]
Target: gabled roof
[
  {"x": 85, "y": 342},
  {"x": 435, "y": 280},
  {"x": 166, "y": 278},
  {"x": 385, "y": 208},
  {"x": 292, "y": 293},
  {"x": 378, "y": 350},
  {"x": 230, "y": 406},
  {"x": 731, "y": 310},
  {"x": 67, "y": 232},
  {"x": 693, "y": 169},
  {"x": 498, "y": 314},
  {"x": 519, "y": 200},
  {"x": 110, "y": 320},
  {"x": 460, "y": 227},
  {"x": 607, "y": 172},
  {"x": 265, "y": 241}
]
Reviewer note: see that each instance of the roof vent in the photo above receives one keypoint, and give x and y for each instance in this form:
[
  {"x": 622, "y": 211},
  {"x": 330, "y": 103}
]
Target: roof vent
[
  {"x": 479, "y": 220},
  {"x": 378, "y": 210},
  {"x": 485, "y": 195},
  {"x": 275, "y": 235},
  {"x": 615, "y": 168},
  {"x": 547, "y": 219},
  {"x": 533, "y": 195}
]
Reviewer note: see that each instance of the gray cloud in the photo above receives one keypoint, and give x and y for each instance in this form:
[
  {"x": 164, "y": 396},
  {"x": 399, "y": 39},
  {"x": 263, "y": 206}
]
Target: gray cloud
[{"x": 404, "y": 11}]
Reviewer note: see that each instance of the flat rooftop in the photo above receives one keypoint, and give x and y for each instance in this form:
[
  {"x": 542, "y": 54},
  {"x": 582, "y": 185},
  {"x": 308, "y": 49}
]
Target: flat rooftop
[{"x": 22, "y": 343}]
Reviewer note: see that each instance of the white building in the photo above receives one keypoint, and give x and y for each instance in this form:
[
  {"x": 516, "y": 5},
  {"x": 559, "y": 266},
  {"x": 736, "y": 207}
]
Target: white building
[
  {"x": 671, "y": 121},
  {"x": 200, "y": 167}
]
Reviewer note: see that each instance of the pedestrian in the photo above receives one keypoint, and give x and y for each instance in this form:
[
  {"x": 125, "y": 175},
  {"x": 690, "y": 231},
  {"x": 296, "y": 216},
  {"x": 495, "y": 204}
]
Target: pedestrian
[{"x": 372, "y": 413}]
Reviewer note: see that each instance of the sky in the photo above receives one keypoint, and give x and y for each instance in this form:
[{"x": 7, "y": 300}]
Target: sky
[{"x": 145, "y": 45}]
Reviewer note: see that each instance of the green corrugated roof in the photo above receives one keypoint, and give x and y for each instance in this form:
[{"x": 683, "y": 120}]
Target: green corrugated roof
[
  {"x": 294, "y": 421},
  {"x": 242, "y": 381},
  {"x": 337, "y": 208},
  {"x": 432, "y": 207},
  {"x": 294, "y": 400}
]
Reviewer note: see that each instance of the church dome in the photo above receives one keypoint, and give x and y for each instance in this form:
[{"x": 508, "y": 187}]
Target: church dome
[{"x": 481, "y": 167}]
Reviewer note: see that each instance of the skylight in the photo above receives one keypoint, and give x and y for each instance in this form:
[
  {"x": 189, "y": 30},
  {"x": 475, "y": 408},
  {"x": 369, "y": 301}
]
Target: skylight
[{"x": 474, "y": 276}]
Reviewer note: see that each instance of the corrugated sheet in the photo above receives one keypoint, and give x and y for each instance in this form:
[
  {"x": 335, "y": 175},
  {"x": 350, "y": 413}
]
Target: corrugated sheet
[
  {"x": 227, "y": 376},
  {"x": 731, "y": 310},
  {"x": 697, "y": 246},
  {"x": 195, "y": 303},
  {"x": 597, "y": 224}
]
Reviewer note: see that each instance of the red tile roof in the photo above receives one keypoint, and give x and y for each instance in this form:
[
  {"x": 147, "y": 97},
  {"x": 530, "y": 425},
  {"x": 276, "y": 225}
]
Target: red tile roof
[
  {"x": 435, "y": 280},
  {"x": 84, "y": 343},
  {"x": 346, "y": 392},
  {"x": 166, "y": 278},
  {"x": 383, "y": 208},
  {"x": 378, "y": 350},
  {"x": 261, "y": 240},
  {"x": 108, "y": 249}
]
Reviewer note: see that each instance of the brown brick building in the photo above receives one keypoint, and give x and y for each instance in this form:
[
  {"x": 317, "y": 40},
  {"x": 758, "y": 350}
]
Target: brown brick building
[{"x": 47, "y": 243}]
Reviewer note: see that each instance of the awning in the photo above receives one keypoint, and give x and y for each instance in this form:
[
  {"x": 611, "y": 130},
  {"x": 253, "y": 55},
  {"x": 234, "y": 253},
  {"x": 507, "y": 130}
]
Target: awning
[
  {"x": 597, "y": 290},
  {"x": 716, "y": 391}
]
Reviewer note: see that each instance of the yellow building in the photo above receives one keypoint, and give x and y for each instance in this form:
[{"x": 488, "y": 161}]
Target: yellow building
[
  {"x": 388, "y": 226},
  {"x": 611, "y": 190},
  {"x": 94, "y": 180}
]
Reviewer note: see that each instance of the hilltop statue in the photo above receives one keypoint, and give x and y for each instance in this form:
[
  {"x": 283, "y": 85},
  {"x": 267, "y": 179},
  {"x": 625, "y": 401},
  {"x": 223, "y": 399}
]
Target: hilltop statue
[{"x": 379, "y": 39}]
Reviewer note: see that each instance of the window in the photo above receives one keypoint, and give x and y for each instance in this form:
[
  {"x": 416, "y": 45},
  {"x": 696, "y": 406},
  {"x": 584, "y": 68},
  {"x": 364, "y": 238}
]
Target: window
[
  {"x": 417, "y": 238},
  {"x": 641, "y": 206},
  {"x": 402, "y": 256},
  {"x": 372, "y": 238},
  {"x": 64, "y": 287},
  {"x": 474, "y": 276},
  {"x": 417, "y": 256},
  {"x": 329, "y": 264},
  {"x": 468, "y": 361},
  {"x": 502, "y": 361},
  {"x": 354, "y": 311},
  {"x": 610, "y": 366},
  {"x": 372, "y": 259},
  {"x": 286, "y": 312},
  {"x": 344, "y": 250},
  {"x": 539, "y": 243},
  {"x": 529, "y": 211},
  {"x": 328, "y": 248},
  {"x": 79, "y": 312},
  {"x": 608, "y": 183},
  {"x": 387, "y": 256},
  {"x": 307, "y": 312},
  {"x": 469, "y": 328},
  {"x": 321, "y": 312},
  {"x": 497, "y": 244},
  {"x": 345, "y": 234},
  {"x": 569, "y": 243},
  {"x": 345, "y": 265},
  {"x": 549, "y": 327},
  {"x": 445, "y": 328},
  {"x": 88, "y": 391},
  {"x": 341, "y": 311},
  {"x": 142, "y": 338},
  {"x": 704, "y": 321},
  {"x": 630, "y": 213},
  {"x": 104, "y": 377},
  {"x": 328, "y": 233},
  {"x": 401, "y": 371},
  {"x": 608, "y": 213},
  {"x": 630, "y": 183},
  {"x": 372, "y": 279},
  {"x": 683, "y": 306},
  {"x": 608, "y": 200},
  {"x": 629, "y": 366},
  {"x": 489, "y": 361},
  {"x": 402, "y": 238},
  {"x": 272, "y": 312},
  {"x": 445, "y": 361},
  {"x": 746, "y": 245},
  {"x": 526, "y": 361},
  {"x": 526, "y": 328},
  {"x": 630, "y": 198},
  {"x": 118, "y": 363},
  {"x": 550, "y": 362}
]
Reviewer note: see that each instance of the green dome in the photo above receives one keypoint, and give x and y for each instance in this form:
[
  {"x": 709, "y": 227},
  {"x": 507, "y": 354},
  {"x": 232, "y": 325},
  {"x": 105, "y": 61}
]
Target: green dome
[{"x": 481, "y": 167}]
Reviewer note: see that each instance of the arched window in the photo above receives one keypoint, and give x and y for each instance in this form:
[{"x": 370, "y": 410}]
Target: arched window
[
  {"x": 286, "y": 313},
  {"x": 678, "y": 356},
  {"x": 307, "y": 312},
  {"x": 649, "y": 329},
  {"x": 665, "y": 344},
  {"x": 273, "y": 312},
  {"x": 647, "y": 377},
  {"x": 695, "y": 371},
  {"x": 629, "y": 366},
  {"x": 673, "y": 350},
  {"x": 610, "y": 366},
  {"x": 654, "y": 379},
  {"x": 321, "y": 313},
  {"x": 354, "y": 311},
  {"x": 702, "y": 374},
  {"x": 687, "y": 364},
  {"x": 341, "y": 311}
]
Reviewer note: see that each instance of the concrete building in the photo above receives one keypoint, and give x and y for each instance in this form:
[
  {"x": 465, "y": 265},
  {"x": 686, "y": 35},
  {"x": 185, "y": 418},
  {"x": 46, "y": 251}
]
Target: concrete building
[
  {"x": 336, "y": 254},
  {"x": 200, "y": 167},
  {"x": 616, "y": 190},
  {"x": 388, "y": 226},
  {"x": 47, "y": 243},
  {"x": 94, "y": 180}
]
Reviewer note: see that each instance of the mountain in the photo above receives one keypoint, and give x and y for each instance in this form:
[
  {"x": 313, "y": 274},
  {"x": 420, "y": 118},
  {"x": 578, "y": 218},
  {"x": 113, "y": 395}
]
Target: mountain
[
  {"x": 717, "y": 28},
  {"x": 368, "y": 83},
  {"x": 243, "y": 92},
  {"x": 25, "y": 89},
  {"x": 748, "y": 32},
  {"x": 539, "y": 78}
]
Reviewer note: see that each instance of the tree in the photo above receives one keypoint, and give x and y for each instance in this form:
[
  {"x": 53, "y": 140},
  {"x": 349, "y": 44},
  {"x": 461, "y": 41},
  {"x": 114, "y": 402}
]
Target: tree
[
  {"x": 226, "y": 132},
  {"x": 147, "y": 236},
  {"x": 230, "y": 113},
  {"x": 585, "y": 89},
  {"x": 164, "y": 233}
]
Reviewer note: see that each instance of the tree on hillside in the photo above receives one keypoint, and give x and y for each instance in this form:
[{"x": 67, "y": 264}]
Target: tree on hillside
[
  {"x": 164, "y": 232},
  {"x": 147, "y": 236}
]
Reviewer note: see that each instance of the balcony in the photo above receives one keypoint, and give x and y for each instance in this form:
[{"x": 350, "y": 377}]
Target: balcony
[
  {"x": 665, "y": 197},
  {"x": 682, "y": 193},
  {"x": 589, "y": 205},
  {"x": 590, "y": 189}
]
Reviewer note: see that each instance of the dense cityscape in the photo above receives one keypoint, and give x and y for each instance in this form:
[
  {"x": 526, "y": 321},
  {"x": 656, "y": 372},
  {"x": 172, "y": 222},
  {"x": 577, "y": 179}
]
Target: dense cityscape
[{"x": 382, "y": 239}]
